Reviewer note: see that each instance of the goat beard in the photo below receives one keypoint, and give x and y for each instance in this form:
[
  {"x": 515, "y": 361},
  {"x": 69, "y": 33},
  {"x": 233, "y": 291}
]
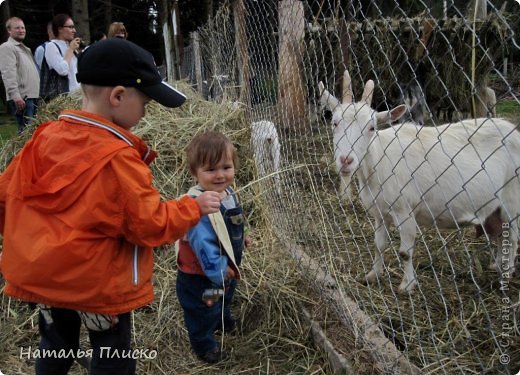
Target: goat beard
[{"x": 344, "y": 186}]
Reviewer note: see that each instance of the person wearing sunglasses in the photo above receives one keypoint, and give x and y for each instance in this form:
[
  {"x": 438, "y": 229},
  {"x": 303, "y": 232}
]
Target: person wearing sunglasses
[{"x": 60, "y": 53}]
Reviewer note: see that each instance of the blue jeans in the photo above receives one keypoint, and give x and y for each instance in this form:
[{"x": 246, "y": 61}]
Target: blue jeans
[
  {"x": 63, "y": 333},
  {"x": 23, "y": 117},
  {"x": 200, "y": 319},
  {"x": 228, "y": 300}
]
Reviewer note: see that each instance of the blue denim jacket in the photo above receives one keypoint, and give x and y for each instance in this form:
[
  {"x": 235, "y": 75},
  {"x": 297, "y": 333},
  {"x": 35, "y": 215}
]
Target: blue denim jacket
[{"x": 204, "y": 241}]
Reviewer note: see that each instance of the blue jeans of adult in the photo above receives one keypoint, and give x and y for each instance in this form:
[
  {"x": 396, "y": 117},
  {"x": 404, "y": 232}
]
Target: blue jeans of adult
[
  {"x": 201, "y": 320},
  {"x": 63, "y": 333},
  {"x": 23, "y": 117}
]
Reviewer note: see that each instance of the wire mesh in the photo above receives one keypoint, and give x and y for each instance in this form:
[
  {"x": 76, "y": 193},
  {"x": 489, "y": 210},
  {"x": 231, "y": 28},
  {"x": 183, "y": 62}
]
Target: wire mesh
[{"x": 446, "y": 61}]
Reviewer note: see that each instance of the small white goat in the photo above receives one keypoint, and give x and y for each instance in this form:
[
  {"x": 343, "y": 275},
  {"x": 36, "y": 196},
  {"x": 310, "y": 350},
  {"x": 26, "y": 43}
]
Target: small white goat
[
  {"x": 487, "y": 107},
  {"x": 458, "y": 173},
  {"x": 266, "y": 149}
]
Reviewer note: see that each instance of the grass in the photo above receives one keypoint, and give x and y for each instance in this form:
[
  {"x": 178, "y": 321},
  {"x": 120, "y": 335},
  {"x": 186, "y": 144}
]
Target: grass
[
  {"x": 8, "y": 128},
  {"x": 510, "y": 109}
]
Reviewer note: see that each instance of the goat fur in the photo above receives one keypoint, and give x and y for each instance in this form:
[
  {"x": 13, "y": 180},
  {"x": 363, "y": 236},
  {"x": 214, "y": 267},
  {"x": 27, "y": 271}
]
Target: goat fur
[{"x": 411, "y": 176}]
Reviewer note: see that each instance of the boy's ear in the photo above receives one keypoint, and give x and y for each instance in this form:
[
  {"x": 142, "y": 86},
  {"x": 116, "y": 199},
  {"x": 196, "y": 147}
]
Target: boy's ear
[{"x": 116, "y": 95}]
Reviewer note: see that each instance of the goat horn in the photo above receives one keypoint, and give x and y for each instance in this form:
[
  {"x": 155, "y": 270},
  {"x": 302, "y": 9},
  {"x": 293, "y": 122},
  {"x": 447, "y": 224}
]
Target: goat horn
[
  {"x": 347, "y": 88},
  {"x": 368, "y": 92},
  {"x": 321, "y": 88}
]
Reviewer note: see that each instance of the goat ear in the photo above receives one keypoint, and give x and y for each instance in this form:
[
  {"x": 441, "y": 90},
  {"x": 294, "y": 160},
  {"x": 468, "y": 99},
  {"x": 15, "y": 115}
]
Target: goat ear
[
  {"x": 368, "y": 92},
  {"x": 347, "y": 88},
  {"x": 383, "y": 117},
  {"x": 387, "y": 117},
  {"x": 326, "y": 98},
  {"x": 398, "y": 112}
]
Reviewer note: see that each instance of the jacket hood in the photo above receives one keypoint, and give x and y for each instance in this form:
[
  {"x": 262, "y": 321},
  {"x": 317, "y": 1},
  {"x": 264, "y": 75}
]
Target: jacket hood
[{"x": 63, "y": 156}]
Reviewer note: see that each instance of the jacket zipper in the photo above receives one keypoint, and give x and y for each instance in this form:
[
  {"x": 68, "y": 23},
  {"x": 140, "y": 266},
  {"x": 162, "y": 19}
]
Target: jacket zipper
[{"x": 135, "y": 266}]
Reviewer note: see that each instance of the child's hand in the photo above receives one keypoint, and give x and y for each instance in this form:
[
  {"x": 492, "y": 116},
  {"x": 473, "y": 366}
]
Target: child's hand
[
  {"x": 248, "y": 241},
  {"x": 230, "y": 274},
  {"x": 209, "y": 202}
]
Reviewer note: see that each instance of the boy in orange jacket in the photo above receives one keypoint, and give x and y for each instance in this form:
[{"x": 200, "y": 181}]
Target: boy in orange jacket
[{"x": 80, "y": 216}]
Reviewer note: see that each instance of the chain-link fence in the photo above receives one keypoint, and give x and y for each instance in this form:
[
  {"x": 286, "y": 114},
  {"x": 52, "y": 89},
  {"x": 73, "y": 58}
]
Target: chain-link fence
[{"x": 446, "y": 60}]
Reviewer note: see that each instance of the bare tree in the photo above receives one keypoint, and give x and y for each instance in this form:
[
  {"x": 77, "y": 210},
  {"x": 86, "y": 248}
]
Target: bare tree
[
  {"x": 242, "y": 50},
  {"x": 81, "y": 18},
  {"x": 107, "y": 13},
  {"x": 291, "y": 95}
]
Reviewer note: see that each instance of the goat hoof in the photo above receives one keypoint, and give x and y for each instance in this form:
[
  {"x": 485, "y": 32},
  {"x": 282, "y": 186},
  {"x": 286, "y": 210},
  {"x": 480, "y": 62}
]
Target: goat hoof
[
  {"x": 406, "y": 288},
  {"x": 493, "y": 267},
  {"x": 371, "y": 277},
  {"x": 507, "y": 273}
]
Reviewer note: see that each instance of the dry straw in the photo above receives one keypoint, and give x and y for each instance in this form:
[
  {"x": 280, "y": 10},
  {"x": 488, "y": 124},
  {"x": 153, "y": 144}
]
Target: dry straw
[{"x": 273, "y": 338}]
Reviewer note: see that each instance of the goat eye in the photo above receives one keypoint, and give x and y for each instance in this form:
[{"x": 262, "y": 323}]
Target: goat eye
[{"x": 371, "y": 129}]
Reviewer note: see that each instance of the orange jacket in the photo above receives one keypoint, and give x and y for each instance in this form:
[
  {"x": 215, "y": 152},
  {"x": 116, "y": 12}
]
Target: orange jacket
[{"x": 79, "y": 217}]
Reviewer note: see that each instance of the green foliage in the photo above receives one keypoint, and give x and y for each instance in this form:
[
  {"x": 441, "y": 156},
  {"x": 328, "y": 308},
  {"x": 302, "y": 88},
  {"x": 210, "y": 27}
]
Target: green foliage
[
  {"x": 510, "y": 109},
  {"x": 8, "y": 126},
  {"x": 7, "y": 129}
]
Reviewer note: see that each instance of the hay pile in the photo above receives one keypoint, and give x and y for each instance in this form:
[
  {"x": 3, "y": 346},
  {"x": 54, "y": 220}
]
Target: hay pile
[
  {"x": 274, "y": 339},
  {"x": 386, "y": 50}
]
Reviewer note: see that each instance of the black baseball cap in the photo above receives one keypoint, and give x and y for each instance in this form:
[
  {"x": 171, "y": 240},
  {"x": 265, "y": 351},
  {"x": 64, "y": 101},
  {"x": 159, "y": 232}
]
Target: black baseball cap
[{"x": 115, "y": 61}]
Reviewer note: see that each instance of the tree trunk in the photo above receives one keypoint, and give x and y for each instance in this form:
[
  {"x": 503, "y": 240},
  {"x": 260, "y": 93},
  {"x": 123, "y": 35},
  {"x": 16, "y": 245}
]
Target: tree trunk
[
  {"x": 197, "y": 60},
  {"x": 208, "y": 6},
  {"x": 6, "y": 14},
  {"x": 239, "y": 13},
  {"x": 477, "y": 12},
  {"x": 81, "y": 19},
  {"x": 344, "y": 40},
  {"x": 291, "y": 95},
  {"x": 107, "y": 14},
  {"x": 170, "y": 21},
  {"x": 167, "y": 30},
  {"x": 178, "y": 40}
]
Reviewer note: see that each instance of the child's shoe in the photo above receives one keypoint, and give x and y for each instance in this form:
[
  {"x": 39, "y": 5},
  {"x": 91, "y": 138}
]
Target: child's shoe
[
  {"x": 214, "y": 356},
  {"x": 230, "y": 325}
]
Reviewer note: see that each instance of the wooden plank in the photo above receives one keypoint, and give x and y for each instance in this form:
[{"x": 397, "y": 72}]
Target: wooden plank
[
  {"x": 383, "y": 351},
  {"x": 338, "y": 363}
]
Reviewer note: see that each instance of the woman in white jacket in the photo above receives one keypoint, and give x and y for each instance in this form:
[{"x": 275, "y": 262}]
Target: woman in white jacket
[{"x": 60, "y": 53}]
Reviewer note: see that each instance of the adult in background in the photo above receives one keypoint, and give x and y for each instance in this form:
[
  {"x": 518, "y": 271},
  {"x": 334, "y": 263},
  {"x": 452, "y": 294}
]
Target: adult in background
[
  {"x": 117, "y": 30},
  {"x": 19, "y": 73},
  {"x": 40, "y": 50},
  {"x": 96, "y": 37},
  {"x": 60, "y": 53}
]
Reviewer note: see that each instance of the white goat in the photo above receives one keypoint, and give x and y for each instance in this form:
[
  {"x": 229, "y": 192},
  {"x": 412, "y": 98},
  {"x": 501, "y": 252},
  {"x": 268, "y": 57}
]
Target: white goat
[
  {"x": 266, "y": 149},
  {"x": 486, "y": 103},
  {"x": 460, "y": 173}
]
